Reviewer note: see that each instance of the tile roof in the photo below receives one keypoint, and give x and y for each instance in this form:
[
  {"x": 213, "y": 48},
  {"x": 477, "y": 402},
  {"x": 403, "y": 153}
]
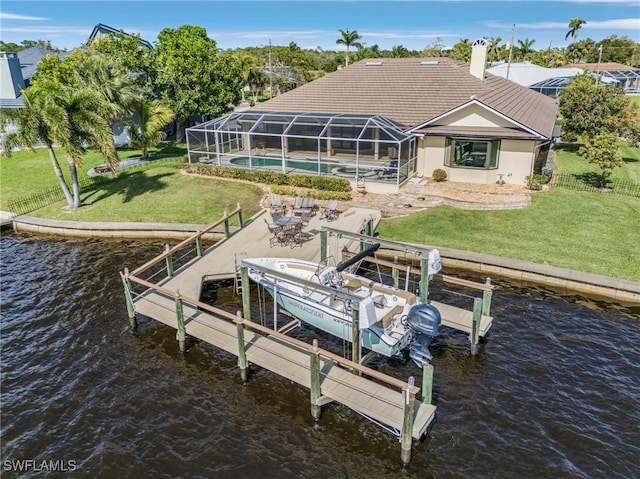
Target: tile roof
[
  {"x": 29, "y": 58},
  {"x": 412, "y": 91}
]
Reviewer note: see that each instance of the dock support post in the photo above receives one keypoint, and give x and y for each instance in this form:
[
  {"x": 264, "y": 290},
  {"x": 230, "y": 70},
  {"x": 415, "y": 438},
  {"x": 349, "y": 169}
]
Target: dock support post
[
  {"x": 395, "y": 273},
  {"x": 323, "y": 245},
  {"x": 169, "y": 261},
  {"x": 427, "y": 382},
  {"x": 240, "y": 223},
  {"x": 406, "y": 436},
  {"x": 355, "y": 332},
  {"x": 181, "y": 334},
  {"x": 424, "y": 279},
  {"x": 131, "y": 312},
  {"x": 226, "y": 225},
  {"x": 199, "y": 244},
  {"x": 486, "y": 299},
  {"x": 315, "y": 381},
  {"x": 242, "y": 357},
  {"x": 475, "y": 326},
  {"x": 246, "y": 297}
]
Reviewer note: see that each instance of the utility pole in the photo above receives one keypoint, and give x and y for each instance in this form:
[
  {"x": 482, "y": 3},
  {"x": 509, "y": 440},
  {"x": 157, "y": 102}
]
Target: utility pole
[
  {"x": 513, "y": 32},
  {"x": 599, "y": 60},
  {"x": 270, "y": 73}
]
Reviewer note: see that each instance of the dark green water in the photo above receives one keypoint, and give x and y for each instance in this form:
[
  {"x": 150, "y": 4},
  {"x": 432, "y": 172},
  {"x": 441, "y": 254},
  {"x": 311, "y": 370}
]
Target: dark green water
[{"x": 552, "y": 394}]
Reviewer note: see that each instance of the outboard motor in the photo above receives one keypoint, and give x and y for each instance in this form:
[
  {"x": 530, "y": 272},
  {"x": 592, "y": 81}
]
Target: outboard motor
[{"x": 424, "y": 320}]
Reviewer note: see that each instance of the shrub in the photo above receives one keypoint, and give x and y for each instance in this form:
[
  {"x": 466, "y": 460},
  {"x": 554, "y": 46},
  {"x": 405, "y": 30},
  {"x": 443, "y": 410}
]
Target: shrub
[
  {"x": 439, "y": 175},
  {"x": 535, "y": 182},
  {"x": 329, "y": 186}
]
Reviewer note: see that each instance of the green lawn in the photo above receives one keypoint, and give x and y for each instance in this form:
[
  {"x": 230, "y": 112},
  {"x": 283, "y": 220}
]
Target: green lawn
[
  {"x": 592, "y": 232},
  {"x": 26, "y": 172},
  {"x": 581, "y": 231},
  {"x": 569, "y": 162}
]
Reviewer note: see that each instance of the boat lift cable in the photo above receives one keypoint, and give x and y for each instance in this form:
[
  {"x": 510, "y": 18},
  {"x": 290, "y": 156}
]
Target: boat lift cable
[{"x": 391, "y": 430}]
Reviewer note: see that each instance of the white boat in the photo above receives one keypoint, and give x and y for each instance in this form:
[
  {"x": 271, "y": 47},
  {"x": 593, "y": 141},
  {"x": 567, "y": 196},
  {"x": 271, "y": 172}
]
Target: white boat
[{"x": 389, "y": 319}]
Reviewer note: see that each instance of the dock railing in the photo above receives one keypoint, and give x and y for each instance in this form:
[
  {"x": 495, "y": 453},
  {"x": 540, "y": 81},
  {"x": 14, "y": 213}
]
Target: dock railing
[{"x": 188, "y": 249}]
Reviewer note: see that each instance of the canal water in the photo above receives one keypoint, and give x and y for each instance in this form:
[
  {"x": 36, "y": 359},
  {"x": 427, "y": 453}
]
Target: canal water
[{"x": 553, "y": 393}]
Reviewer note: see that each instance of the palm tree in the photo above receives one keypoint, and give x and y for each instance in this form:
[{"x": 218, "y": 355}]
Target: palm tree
[
  {"x": 525, "y": 47},
  {"x": 75, "y": 120},
  {"x": 115, "y": 87},
  {"x": 349, "y": 39},
  {"x": 30, "y": 128},
  {"x": 574, "y": 25},
  {"x": 247, "y": 63},
  {"x": 151, "y": 117},
  {"x": 494, "y": 48}
]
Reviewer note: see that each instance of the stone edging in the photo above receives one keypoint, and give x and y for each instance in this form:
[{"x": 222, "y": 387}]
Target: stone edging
[{"x": 625, "y": 291}]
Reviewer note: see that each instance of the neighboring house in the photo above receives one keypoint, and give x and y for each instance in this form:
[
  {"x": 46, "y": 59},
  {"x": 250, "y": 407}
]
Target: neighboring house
[
  {"x": 626, "y": 77},
  {"x": 388, "y": 120},
  {"x": 548, "y": 81},
  {"x": 102, "y": 29},
  {"x": 16, "y": 71}
]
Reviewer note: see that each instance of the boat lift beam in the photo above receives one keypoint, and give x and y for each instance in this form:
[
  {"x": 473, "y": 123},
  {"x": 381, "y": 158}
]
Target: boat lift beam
[{"x": 423, "y": 253}]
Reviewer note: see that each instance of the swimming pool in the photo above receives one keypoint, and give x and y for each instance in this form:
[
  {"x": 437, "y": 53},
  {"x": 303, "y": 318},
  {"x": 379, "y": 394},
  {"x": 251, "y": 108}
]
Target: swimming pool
[{"x": 276, "y": 164}]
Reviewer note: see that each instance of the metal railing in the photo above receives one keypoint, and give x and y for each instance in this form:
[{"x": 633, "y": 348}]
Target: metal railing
[
  {"x": 592, "y": 183},
  {"x": 50, "y": 196}
]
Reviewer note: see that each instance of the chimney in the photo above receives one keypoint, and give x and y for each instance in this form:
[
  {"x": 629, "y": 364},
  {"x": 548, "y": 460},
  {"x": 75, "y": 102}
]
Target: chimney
[
  {"x": 11, "y": 81},
  {"x": 478, "y": 58}
]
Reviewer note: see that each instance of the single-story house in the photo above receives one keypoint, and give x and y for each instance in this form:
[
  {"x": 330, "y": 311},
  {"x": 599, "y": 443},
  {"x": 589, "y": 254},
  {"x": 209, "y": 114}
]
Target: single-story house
[
  {"x": 548, "y": 81},
  {"x": 626, "y": 77},
  {"x": 385, "y": 121}
]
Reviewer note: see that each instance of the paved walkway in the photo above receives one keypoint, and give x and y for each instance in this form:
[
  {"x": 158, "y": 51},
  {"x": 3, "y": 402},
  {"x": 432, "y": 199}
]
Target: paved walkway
[{"x": 419, "y": 195}]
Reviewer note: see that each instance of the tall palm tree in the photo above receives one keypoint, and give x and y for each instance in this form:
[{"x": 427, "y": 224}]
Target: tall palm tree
[
  {"x": 494, "y": 48},
  {"x": 75, "y": 120},
  {"x": 574, "y": 26},
  {"x": 117, "y": 89},
  {"x": 29, "y": 128},
  {"x": 349, "y": 39},
  {"x": 247, "y": 63},
  {"x": 146, "y": 130}
]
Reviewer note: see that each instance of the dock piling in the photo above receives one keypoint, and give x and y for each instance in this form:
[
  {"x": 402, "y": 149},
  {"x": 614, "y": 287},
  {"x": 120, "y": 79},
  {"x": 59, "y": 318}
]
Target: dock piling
[
  {"x": 199, "y": 244},
  {"x": 315, "y": 381},
  {"x": 427, "y": 382},
  {"x": 406, "y": 438},
  {"x": 395, "y": 274},
  {"x": 242, "y": 357},
  {"x": 226, "y": 225},
  {"x": 181, "y": 334},
  {"x": 131, "y": 312},
  {"x": 486, "y": 299},
  {"x": 475, "y": 327},
  {"x": 169, "y": 261},
  {"x": 240, "y": 222}
]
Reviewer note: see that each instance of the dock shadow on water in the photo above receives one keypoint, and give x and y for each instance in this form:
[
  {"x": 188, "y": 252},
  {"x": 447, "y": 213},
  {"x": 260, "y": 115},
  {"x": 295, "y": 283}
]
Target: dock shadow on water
[{"x": 552, "y": 393}]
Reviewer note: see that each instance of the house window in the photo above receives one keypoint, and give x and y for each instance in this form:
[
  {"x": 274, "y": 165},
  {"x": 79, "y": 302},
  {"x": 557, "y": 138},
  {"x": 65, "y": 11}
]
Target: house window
[{"x": 461, "y": 153}]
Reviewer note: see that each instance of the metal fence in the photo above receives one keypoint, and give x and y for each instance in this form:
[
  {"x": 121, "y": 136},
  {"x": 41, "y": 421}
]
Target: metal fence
[
  {"x": 592, "y": 184},
  {"x": 50, "y": 196}
]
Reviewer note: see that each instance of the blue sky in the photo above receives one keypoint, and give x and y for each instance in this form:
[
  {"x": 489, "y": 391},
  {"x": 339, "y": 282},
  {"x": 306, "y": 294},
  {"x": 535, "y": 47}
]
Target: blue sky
[{"x": 414, "y": 24}]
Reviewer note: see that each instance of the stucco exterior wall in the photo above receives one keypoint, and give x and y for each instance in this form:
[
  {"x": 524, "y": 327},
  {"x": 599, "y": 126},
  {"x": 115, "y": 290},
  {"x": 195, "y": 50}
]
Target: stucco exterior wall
[{"x": 514, "y": 162}]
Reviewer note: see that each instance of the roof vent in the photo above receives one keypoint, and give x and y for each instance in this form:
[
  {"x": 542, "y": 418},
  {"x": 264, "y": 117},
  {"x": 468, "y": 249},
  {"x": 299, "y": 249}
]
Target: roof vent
[
  {"x": 373, "y": 64},
  {"x": 429, "y": 62}
]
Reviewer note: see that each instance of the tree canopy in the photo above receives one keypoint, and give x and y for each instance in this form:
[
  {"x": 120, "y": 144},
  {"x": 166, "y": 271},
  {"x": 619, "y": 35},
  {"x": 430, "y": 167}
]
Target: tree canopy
[{"x": 192, "y": 77}]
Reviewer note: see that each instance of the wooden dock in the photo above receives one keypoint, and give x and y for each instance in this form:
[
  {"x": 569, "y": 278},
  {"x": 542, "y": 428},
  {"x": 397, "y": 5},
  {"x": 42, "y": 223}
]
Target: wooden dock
[
  {"x": 252, "y": 241},
  {"x": 174, "y": 301}
]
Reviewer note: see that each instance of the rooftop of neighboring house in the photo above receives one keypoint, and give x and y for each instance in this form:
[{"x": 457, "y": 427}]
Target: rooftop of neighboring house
[
  {"x": 412, "y": 91},
  {"x": 608, "y": 66},
  {"x": 528, "y": 74}
]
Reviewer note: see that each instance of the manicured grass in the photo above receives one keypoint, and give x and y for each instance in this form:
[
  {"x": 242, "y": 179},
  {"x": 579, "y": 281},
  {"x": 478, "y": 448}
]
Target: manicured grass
[
  {"x": 582, "y": 231},
  {"x": 27, "y": 172},
  {"x": 159, "y": 194},
  {"x": 569, "y": 162}
]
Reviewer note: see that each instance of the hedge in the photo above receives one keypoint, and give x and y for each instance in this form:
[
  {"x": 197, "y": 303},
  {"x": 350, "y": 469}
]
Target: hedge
[{"x": 322, "y": 183}]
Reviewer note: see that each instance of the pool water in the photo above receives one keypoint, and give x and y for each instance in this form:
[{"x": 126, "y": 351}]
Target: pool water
[{"x": 276, "y": 164}]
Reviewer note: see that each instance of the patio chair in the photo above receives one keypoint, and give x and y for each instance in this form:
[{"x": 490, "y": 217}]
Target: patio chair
[
  {"x": 330, "y": 212},
  {"x": 303, "y": 205},
  {"x": 391, "y": 170},
  {"x": 276, "y": 204}
]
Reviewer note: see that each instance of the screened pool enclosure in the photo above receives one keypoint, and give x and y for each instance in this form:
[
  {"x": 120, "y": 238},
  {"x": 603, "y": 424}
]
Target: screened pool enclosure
[{"x": 357, "y": 147}]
